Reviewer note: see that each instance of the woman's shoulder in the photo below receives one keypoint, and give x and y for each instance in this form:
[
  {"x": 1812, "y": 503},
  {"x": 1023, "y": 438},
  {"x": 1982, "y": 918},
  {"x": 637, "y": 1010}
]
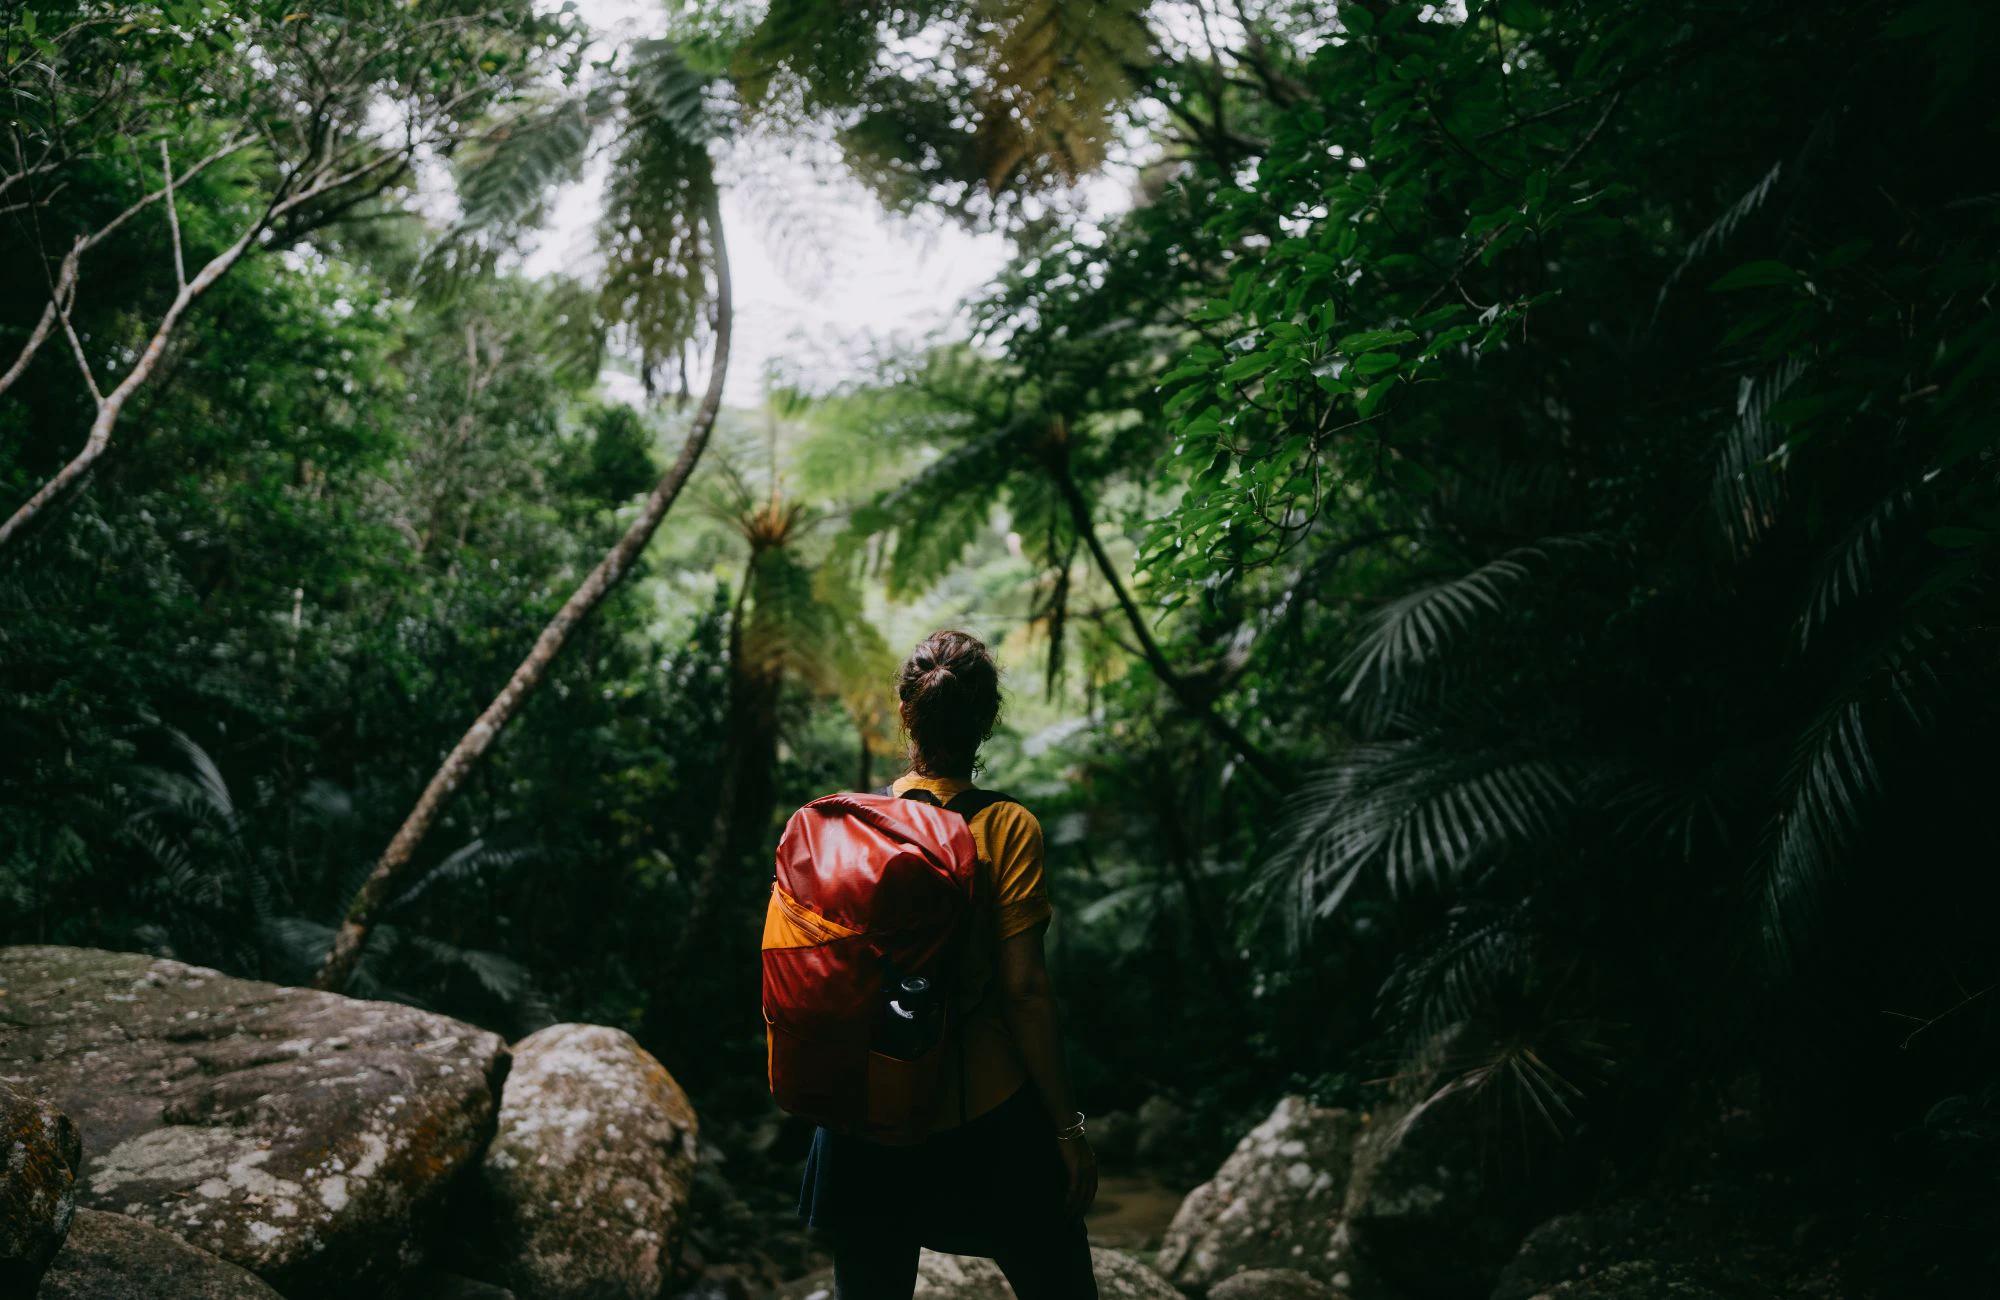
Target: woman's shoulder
[{"x": 1007, "y": 815}]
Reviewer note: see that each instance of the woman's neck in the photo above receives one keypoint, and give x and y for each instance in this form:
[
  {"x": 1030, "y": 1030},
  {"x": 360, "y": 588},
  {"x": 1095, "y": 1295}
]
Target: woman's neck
[{"x": 940, "y": 772}]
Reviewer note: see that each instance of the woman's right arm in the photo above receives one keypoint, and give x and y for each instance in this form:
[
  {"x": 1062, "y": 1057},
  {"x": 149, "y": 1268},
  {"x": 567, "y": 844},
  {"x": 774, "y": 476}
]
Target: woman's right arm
[{"x": 1030, "y": 1005}]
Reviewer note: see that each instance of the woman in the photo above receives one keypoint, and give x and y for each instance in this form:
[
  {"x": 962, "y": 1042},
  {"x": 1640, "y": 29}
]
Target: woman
[{"x": 1007, "y": 1172}]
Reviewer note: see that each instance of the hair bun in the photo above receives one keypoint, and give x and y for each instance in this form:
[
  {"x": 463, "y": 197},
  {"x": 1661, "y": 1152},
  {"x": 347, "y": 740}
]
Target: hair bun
[{"x": 950, "y": 691}]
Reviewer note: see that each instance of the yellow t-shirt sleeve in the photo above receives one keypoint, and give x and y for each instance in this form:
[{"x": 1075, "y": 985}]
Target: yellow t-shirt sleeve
[{"x": 1020, "y": 881}]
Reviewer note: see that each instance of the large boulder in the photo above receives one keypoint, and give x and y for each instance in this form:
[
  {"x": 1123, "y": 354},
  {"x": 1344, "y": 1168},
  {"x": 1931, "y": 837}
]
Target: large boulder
[
  {"x": 1274, "y": 1203},
  {"x": 1713, "y": 1239},
  {"x": 1435, "y": 1207},
  {"x": 1273, "y": 1284},
  {"x": 39, "y": 1157},
  {"x": 962, "y": 1277},
  {"x": 296, "y": 1133},
  {"x": 589, "y": 1172},
  {"x": 965, "y": 1277},
  {"x": 112, "y": 1257},
  {"x": 1636, "y": 1279}
]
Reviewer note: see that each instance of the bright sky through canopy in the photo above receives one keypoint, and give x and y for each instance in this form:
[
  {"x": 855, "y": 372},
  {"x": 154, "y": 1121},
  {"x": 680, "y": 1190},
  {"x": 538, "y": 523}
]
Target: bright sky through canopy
[{"x": 878, "y": 278}]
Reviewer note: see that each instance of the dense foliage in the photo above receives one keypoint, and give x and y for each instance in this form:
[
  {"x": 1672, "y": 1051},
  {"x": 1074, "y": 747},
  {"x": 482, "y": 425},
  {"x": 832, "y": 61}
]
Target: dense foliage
[{"x": 1495, "y": 549}]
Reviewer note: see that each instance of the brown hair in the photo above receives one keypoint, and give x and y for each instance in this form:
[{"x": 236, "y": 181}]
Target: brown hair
[{"x": 950, "y": 693}]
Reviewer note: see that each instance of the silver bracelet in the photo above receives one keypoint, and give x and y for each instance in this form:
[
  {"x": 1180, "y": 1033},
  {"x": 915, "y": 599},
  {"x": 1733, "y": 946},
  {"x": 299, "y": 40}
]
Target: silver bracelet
[{"x": 1073, "y": 1133}]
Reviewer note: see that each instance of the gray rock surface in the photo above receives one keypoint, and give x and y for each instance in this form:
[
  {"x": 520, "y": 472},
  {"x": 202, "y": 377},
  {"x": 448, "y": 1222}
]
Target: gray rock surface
[
  {"x": 1428, "y": 1212},
  {"x": 964, "y": 1277},
  {"x": 112, "y": 1257},
  {"x": 296, "y": 1133},
  {"x": 39, "y": 1157},
  {"x": 1637, "y": 1279},
  {"x": 590, "y": 1169},
  {"x": 960, "y": 1277},
  {"x": 1273, "y": 1284},
  {"x": 1276, "y": 1202}
]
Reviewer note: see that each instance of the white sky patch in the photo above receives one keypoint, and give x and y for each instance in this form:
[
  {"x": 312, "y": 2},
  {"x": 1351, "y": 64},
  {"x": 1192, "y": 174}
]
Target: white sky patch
[{"x": 877, "y": 280}]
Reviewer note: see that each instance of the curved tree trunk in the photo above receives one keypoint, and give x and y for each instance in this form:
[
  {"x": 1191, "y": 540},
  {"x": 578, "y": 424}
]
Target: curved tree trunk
[{"x": 376, "y": 891}]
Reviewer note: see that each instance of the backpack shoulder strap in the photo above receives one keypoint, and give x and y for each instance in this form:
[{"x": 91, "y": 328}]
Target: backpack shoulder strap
[{"x": 970, "y": 803}]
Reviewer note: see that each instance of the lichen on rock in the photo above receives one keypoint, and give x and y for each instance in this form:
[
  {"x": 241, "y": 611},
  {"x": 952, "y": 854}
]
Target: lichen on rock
[
  {"x": 113, "y": 1257},
  {"x": 39, "y": 1155},
  {"x": 1276, "y": 1202},
  {"x": 589, "y": 1172},
  {"x": 296, "y": 1133}
]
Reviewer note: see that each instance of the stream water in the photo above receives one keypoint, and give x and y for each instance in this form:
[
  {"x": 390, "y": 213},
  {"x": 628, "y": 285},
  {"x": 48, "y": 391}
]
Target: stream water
[{"x": 1131, "y": 1212}]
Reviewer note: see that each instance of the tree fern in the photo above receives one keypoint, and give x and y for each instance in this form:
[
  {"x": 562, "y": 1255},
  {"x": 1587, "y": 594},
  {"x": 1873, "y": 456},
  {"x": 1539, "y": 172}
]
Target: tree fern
[
  {"x": 1056, "y": 70},
  {"x": 506, "y": 176}
]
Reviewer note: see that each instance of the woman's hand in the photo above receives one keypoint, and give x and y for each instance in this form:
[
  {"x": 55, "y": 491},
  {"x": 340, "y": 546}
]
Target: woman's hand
[{"x": 1081, "y": 1162}]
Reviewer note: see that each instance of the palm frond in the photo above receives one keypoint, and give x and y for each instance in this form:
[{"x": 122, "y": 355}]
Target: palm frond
[
  {"x": 1833, "y": 777},
  {"x": 1453, "y": 978},
  {"x": 1747, "y": 489},
  {"x": 1848, "y": 571},
  {"x": 1718, "y": 232},
  {"x": 1414, "y": 631},
  {"x": 1416, "y": 814},
  {"x": 468, "y": 860}
]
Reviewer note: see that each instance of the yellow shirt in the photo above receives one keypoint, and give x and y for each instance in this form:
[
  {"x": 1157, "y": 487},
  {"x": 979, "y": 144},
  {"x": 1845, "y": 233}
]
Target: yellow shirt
[{"x": 1012, "y": 898}]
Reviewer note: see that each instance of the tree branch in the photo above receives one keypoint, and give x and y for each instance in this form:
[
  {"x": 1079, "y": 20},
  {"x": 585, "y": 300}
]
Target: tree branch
[{"x": 1177, "y": 685}]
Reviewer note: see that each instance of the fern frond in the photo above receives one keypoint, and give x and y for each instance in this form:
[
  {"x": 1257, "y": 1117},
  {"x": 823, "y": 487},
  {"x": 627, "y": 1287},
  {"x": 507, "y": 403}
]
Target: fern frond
[
  {"x": 669, "y": 96},
  {"x": 1055, "y": 72},
  {"x": 655, "y": 246},
  {"x": 504, "y": 178},
  {"x": 931, "y": 518}
]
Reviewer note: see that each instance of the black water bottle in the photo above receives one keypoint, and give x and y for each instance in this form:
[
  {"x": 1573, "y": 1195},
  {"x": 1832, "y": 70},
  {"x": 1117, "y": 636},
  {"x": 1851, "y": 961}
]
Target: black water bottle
[{"x": 912, "y": 1018}]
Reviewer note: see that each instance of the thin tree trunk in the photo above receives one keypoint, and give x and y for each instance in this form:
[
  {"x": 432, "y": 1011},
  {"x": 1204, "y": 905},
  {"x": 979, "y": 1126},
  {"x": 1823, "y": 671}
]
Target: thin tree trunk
[
  {"x": 375, "y": 892},
  {"x": 1190, "y": 699}
]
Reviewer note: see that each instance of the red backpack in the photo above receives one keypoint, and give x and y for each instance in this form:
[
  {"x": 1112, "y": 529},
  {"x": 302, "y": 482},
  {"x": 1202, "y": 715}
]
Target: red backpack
[{"x": 867, "y": 920}]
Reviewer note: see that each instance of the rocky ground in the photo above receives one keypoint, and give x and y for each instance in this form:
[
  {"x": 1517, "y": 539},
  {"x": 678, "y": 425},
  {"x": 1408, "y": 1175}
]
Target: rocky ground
[{"x": 169, "y": 1132}]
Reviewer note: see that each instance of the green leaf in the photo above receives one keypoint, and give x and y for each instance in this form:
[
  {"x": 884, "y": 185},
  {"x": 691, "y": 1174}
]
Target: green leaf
[
  {"x": 1368, "y": 341},
  {"x": 1756, "y": 275},
  {"x": 1245, "y": 367}
]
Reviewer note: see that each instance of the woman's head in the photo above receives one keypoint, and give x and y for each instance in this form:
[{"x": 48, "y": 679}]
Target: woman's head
[{"x": 950, "y": 693}]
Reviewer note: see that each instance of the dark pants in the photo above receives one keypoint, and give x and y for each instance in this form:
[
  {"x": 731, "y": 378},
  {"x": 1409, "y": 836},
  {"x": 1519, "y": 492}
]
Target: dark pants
[
  {"x": 1050, "y": 1264},
  {"x": 991, "y": 1188}
]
